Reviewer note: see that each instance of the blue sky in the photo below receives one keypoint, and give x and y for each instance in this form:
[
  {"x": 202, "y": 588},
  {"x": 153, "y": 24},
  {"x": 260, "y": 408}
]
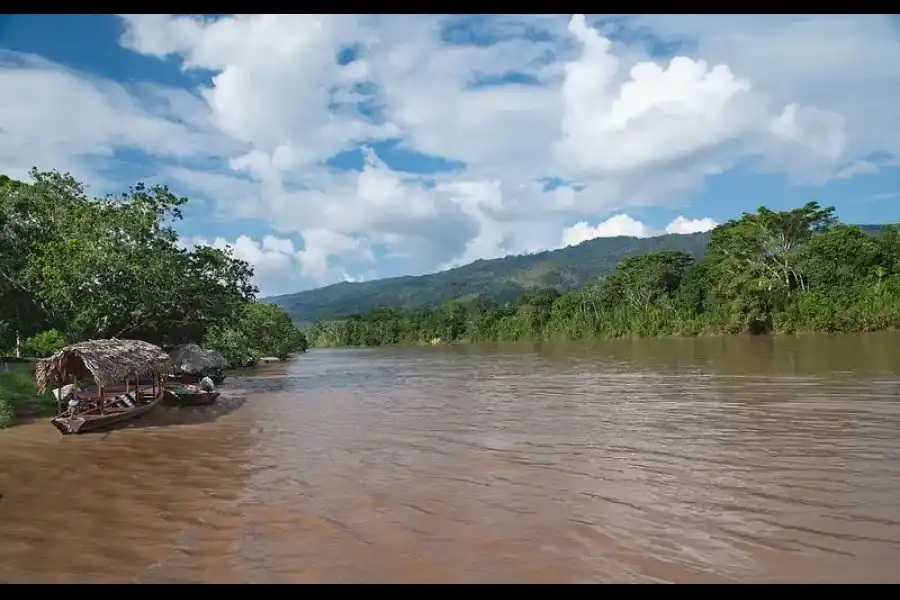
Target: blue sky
[{"x": 344, "y": 147}]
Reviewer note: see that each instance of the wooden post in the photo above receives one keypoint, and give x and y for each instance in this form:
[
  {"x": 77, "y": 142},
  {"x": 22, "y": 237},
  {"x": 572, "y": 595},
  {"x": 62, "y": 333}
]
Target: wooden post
[
  {"x": 100, "y": 395},
  {"x": 75, "y": 382},
  {"x": 59, "y": 397}
]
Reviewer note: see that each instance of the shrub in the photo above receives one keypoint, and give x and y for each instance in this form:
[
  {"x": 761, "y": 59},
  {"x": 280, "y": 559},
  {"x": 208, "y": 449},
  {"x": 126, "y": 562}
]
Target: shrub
[{"x": 42, "y": 345}]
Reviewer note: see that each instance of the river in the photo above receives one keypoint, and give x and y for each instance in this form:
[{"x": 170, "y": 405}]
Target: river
[{"x": 695, "y": 460}]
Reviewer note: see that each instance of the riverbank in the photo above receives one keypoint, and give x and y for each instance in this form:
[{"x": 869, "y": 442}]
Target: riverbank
[
  {"x": 362, "y": 334},
  {"x": 18, "y": 396},
  {"x": 19, "y": 399},
  {"x": 635, "y": 337}
]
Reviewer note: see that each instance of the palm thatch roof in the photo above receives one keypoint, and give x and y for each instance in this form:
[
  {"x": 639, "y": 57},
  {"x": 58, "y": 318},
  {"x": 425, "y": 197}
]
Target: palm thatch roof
[
  {"x": 105, "y": 361},
  {"x": 191, "y": 359}
]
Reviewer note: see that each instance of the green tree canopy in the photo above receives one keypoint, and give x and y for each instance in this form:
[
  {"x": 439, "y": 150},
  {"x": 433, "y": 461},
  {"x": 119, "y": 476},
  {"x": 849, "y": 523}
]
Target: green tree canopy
[
  {"x": 92, "y": 268},
  {"x": 767, "y": 271}
]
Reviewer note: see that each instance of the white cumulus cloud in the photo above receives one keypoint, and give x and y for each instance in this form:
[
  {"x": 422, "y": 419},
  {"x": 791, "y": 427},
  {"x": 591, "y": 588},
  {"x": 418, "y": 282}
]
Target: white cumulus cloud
[
  {"x": 624, "y": 225},
  {"x": 626, "y": 128},
  {"x": 280, "y": 267},
  {"x": 683, "y": 225}
]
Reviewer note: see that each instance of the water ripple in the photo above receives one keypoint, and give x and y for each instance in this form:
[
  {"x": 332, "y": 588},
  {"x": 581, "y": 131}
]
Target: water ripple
[{"x": 632, "y": 462}]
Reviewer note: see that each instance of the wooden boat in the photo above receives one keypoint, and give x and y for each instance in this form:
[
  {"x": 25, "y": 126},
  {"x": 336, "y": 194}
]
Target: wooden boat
[
  {"x": 179, "y": 392},
  {"x": 94, "y": 420},
  {"x": 113, "y": 365},
  {"x": 184, "y": 378},
  {"x": 191, "y": 395}
]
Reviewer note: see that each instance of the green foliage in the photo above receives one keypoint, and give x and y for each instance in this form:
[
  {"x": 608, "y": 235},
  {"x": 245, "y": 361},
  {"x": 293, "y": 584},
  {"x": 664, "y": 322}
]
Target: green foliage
[
  {"x": 260, "y": 330},
  {"x": 17, "y": 394},
  {"x": 74, "y": 268},
  {"x": 109, "y": 267},
  {"x": 498, "y": 281},
  {"x": 768, "y": 271},
  {"x": 43, "y": 344}
]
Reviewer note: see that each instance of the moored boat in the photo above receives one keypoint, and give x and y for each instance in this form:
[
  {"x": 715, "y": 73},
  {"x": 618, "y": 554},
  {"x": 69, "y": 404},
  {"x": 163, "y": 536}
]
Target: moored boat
[
  {"x": 185, "y": 379},
  {"x": 189, "y": 395},
  {"x": 112, "y": 365},
  {"x": 178, "y": 392},
  {"x": 84, "y": 422}
]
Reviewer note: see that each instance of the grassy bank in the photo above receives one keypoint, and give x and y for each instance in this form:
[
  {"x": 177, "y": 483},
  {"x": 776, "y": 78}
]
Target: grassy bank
[{"x": 18, "y": 398}]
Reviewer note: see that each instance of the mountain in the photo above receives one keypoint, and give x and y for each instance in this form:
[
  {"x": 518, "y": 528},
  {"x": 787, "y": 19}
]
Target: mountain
[{"x": 499, "y": 279}]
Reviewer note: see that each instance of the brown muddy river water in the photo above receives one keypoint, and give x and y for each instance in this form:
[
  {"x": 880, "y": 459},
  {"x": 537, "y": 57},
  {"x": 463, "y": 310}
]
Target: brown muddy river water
[{"x": 708, "y": 460}]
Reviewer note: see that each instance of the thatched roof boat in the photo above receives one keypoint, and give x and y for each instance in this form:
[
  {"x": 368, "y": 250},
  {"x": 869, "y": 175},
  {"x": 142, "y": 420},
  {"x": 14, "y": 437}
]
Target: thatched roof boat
[
  {"x": 105, "y": 361},
  {"x": 194, "y": 362},
  {"x": 109, "y": 363}
]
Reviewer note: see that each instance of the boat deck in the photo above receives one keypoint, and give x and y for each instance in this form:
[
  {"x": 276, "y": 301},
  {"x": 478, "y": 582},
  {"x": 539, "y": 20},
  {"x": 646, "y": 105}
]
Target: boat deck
[{"x": 110, "y": 396}]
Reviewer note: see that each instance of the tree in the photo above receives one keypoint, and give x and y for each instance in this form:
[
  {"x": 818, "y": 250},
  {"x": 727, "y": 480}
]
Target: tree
[
  {"x": 648, "y": 279},
  {"x": 260, "y": 330},
  {"x": 756, "y": 265},
  {"x": 839, "y": 259},
  {"x": 534, "y": 310},
  {"x": 109, "y": 267},
  {"x": 766, "y": 243}
]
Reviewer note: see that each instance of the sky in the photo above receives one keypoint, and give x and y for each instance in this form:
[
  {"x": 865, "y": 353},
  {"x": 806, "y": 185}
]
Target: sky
[{"x": 327, "y": 148}]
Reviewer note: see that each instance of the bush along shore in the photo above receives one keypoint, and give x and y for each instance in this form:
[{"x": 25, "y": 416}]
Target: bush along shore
[
  {"x": 766, "y": 272},
  {"x": 18, "y": 398},
  {"x": 75, "y": 268}
]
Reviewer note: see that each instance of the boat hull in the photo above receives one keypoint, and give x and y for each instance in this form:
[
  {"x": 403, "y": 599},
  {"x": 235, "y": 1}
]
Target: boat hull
[
  {"x": 194, "y": 379},
  {"x": 195, "y": 398},
  {"x": 98, "y": 422}
]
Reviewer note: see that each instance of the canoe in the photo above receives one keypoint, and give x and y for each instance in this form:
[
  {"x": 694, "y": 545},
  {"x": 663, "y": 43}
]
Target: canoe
[
  {"x": 193, "y": 379},
  {"x": 187, "y": 397},
  {"x": 113, "y": 415}
]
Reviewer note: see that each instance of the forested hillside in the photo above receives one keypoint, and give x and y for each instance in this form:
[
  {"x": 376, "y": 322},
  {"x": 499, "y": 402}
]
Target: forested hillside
[
  {"x": 766, "y": 272},
  {"x": 499, "y": 280}
]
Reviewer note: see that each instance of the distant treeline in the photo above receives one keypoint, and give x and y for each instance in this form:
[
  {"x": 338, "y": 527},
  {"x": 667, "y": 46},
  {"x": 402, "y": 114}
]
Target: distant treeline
[{"x": 767, "y": 272}]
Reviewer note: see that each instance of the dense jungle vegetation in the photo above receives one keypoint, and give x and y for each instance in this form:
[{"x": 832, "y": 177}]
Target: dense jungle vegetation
[
  {"x": 75, "y": 268},
  {"x": 767, "y": 272},
  {"x": 498, "y": 280}
]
